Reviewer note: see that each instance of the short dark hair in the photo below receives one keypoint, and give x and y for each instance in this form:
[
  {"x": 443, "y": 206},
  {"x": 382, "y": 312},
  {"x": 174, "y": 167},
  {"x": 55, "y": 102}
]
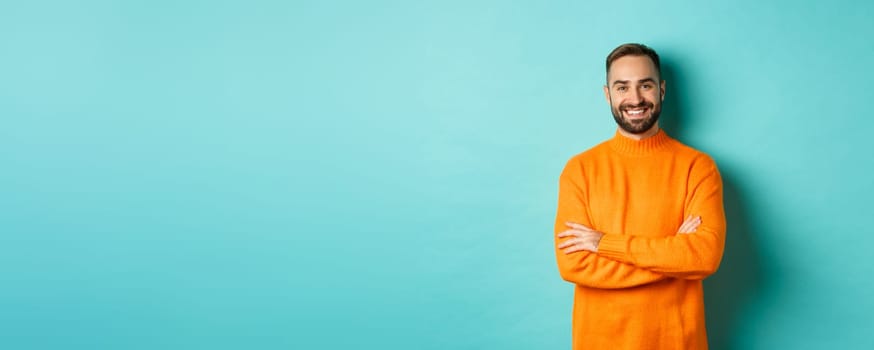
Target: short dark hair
[{"x": 634, "y": 49}]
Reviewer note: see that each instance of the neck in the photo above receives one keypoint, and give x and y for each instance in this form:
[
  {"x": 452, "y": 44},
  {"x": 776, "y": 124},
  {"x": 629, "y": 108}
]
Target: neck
[{"x": 652, "y": 131}]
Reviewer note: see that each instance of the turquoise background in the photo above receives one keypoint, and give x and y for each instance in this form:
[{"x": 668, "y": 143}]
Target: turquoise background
[{"x": 383, "y": 174}]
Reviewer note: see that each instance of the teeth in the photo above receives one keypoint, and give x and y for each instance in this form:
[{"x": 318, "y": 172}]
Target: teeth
[{"x": 634, "y": 112}]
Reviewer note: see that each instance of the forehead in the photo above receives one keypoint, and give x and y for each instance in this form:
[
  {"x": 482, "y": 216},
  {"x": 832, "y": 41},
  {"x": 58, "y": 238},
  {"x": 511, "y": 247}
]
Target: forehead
[{"x": 632, "y": 68}]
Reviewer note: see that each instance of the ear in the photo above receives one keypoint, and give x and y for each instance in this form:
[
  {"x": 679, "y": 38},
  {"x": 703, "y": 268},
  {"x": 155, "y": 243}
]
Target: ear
[
  {"x": 607, "y": 94},
  {"x": 662, "y": 88}
]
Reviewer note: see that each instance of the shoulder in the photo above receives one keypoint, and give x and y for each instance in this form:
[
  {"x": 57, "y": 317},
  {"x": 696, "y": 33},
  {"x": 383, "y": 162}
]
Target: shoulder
[
  {"x": 591, "y": 154},
  {"x": 580, "y": 160},
  {"x": 697, "y": 158},
  {"x": 699, "y": 165}
]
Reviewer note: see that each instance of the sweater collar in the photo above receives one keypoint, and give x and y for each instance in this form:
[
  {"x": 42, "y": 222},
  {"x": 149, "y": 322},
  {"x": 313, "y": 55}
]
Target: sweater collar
[{"x": 629, "y": 146}]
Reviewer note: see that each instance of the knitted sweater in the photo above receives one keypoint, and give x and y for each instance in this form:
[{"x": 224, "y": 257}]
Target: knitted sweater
[{"x": 643, "y": 289}]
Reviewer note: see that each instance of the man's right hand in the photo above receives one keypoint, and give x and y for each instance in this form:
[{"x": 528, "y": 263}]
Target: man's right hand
[{"x": 690, "y": 225}]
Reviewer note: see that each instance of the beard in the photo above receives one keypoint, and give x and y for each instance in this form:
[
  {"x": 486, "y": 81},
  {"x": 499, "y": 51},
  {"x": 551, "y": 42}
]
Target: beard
[{"x": 636, "y": 126}]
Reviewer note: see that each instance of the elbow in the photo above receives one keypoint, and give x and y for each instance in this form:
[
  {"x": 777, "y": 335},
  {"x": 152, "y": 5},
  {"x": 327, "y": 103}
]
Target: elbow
[
  {"x": 708, "y": 267},
  {"x": 713, "y": 260},
  {"x": 571, "y": 274},
  {"x": 700, "y": 272},
  {"x": 566, "y": 275},
  {"x": 709, "y": 260}
]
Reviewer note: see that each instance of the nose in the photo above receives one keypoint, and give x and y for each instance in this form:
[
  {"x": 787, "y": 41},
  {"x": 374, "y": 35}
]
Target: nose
[{"x": 636, "y": 96}]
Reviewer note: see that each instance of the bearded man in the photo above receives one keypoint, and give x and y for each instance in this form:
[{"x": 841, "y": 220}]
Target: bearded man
[{"x": 640, "y": 222}]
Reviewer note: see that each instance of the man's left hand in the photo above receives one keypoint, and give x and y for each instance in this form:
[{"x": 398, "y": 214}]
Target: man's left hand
[{"x": 584, "y": 238}]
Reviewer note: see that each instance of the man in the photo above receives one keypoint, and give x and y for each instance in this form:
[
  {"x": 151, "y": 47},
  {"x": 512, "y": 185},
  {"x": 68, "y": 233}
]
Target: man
[{"x": 640, "y": 222}]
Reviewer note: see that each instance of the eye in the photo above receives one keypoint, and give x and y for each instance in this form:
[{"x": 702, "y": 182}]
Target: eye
[
  {"x": 647, "y": 86},
  {"x": 621, "y": 88}
]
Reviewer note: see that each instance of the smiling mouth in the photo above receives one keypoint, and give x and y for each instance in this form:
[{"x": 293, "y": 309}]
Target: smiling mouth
[{"x": 636, "y": 112}]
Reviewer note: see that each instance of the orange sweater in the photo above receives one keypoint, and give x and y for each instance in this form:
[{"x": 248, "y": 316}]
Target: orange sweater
[{"x": 643, "y": 289}]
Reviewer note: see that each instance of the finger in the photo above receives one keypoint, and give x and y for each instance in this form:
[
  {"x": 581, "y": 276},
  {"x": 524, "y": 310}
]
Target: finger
[
  {"x": 573, "y": 249},
  {"x": 578, "y": 226},
  {"x": 576, "y": 248},
  {"x": 695, "y": 223},
  {"x": 690, "y": 225},
  {"x": 692, "y": 219},
  {"x": 685, "y": 227},
  {"x": 569, "y": 233},
  {"x": 569, "y": 243}
]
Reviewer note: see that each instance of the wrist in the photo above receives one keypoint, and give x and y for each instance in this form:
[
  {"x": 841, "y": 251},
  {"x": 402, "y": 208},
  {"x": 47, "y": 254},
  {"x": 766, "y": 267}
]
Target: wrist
[{"x": 598, "y": 241}]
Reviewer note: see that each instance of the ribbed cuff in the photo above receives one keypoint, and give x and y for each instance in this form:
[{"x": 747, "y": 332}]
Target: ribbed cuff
[{"x": 614, "y": 247}]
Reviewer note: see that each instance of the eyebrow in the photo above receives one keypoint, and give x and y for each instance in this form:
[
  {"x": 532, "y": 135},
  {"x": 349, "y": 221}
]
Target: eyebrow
[{"x": 651, "y": 80}]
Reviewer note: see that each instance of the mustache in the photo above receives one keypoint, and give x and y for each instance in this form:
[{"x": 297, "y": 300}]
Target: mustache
[{"x": 643, "y": 104}]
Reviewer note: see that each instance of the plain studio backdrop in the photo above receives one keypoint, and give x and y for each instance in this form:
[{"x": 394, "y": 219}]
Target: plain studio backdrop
[{"x": 384, "y": 174}]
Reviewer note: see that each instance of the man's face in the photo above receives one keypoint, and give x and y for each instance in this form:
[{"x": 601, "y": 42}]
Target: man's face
[{"x": 635, "y": 93}]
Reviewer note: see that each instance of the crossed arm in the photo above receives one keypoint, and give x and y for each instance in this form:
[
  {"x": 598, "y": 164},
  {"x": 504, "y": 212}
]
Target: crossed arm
[
  {"x": 587, "y": 239},
  {"x": 579, "y": 263},
  {"x": 592, "y": 258}
]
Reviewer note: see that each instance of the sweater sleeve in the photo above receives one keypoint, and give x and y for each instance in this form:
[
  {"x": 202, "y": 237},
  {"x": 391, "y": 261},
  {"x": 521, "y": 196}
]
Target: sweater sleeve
[
  {"x": 689, "y": 256},
  {"x": 586, "y": 268}
]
